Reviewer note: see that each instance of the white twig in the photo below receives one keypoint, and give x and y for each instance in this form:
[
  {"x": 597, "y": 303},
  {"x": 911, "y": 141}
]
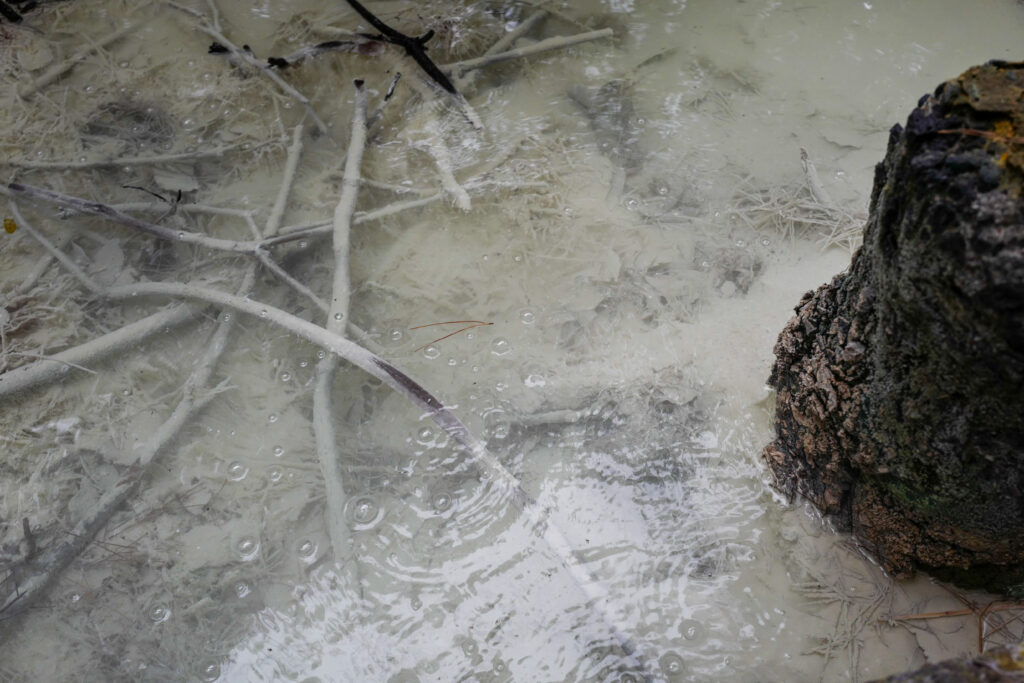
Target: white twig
[
  {"x": 288, "y": 179},
  {"x": 153, "y": 207},
  {"x": 58, "y": 70},
  {"x": 463, "y": 82},
  {"x": 53, "y": 367},
  {"x": 34, "y": 165},
  {"x": 98, "y": 209},
  {"x": 337, "y": 315},
  {"x": 437, "y": 149},
  {"x": 555, "y": 43},
  {"x": 814, "y": 182}
]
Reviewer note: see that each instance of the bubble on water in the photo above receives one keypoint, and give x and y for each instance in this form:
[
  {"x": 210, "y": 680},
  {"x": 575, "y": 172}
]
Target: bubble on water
[
  {"x": 307, "y": 550},
  {"x": 247, "y": 548},
  {"x": 188, "y": 123},
  {"x": 272, "y": 418},
  {"x": 496, "y": 423},
  {"x": 303, "y": 363},
  {"x": 226, "y": 317},
  {"x": 74, "y": 597},
  {"x": 431, "y": 352},
  {"x": 765, "y": 242},
  {"x": 741, "y": 243},
  {"x": 452, "y": 362},
  {"x": 242, "y": 589},
  {"x": 237, "y": 471},
  {"x": 534, "y": 380},
  {"x": 500, "y": 346},
  {"x": 442, "y": 501},
  {"x": 207, "y": 76},
  {"x": 469, "y": 647},
  {"x": 632, "y": 204},
  {"x": 365, "y": 512},
  {"x": 303, "y": 244},
  {"x": 123, "y": 65},
  {"x": 517, "y": 258},
  {"x": 395, "y": 334},
  {"x": 263, "y": 313},
  {"x": 499, "y": 666},
  {"x": 475, "y": 368},
  {"x": 500, "y": 386},
  {"x": 278, "y": 451},
  {"x": 90, "y": 89},
  {"x": 339, "y": 316},
  {"x": 321, "y": 354},
  {"x": 527, "y": 317},
  {"x": 662, "y": 189},
  {"x": 416, "y": 603},
  {"x": 672, "y": 666},
  {"x": 275, "y": 474},
  {"x": 159, "y": 613},
  {"x": 209, "y": 670},
  {"x": 425, "y": 435},
  {"x": 286, "y": 376},
  {"x": 692, "y": 629}
]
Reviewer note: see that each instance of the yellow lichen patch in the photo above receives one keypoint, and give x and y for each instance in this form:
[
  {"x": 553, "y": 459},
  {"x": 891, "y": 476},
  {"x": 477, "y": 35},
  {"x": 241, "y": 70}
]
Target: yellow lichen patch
[
  {"x": 1003, "y": 129},
  {"x": 10, "y": 226},
  {"x": 1010, "y": 660}
]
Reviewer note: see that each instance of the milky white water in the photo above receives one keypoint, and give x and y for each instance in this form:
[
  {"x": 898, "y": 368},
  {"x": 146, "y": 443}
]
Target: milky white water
[{"x": 646, "y": 230}]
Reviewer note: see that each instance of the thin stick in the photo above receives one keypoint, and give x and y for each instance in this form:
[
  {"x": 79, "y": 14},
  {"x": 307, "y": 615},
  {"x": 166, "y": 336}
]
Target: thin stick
[
  {"x": 30, "y": 164},
  {"x": 287, "y": 180},
  {"x": 519, "y": 53},
  {"x": 98, "y": 209},
  {"x": 814, "y": 182},
  {"x": 287, "y": 278},
  {"x": 273, "y": 224},
  {"x": 443, "y": 160},
  {"x": 58, "y": 70},
  {"x": 337, "y": 314},
  {"x": 463, "y": 81},
  {"x": 931, "y": 615}
]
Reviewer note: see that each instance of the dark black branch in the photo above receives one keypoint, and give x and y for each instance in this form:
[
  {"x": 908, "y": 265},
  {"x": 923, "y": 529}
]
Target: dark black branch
[
  {"x": 9, "y": 13},
  {"x": 414, "y": 47}
]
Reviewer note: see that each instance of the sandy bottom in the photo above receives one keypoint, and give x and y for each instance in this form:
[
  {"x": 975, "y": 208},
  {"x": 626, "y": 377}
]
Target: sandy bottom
[{"x": 634, "y": 222}]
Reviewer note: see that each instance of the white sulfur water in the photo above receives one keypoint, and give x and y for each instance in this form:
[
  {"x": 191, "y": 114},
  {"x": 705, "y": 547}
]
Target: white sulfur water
[{"x": 634, "y": 221}]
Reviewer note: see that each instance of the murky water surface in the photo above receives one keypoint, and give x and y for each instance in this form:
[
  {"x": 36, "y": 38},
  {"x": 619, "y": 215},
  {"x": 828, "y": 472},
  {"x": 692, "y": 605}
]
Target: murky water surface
[{"x": 633, "y": 219}]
